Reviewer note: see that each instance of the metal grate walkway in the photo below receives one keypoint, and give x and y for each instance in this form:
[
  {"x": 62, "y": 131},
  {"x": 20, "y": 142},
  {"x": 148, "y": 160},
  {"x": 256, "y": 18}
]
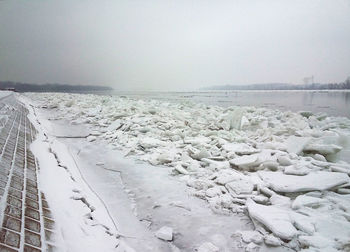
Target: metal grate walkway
[{"x": 25, "y": 217}]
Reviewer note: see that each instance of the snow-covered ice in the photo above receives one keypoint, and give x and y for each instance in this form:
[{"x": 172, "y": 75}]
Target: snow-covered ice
[
  {"x": 4, "y": 109},
  {"x": 315, "y": 181},
  {"x": 5, "y": 93},
  {"x": 288, "y": 172},
  {"x": 165, "y": 233}
]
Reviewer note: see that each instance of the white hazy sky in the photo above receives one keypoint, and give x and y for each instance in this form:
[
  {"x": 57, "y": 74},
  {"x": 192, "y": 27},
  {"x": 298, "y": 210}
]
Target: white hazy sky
[{"x": 174, "y": 44}]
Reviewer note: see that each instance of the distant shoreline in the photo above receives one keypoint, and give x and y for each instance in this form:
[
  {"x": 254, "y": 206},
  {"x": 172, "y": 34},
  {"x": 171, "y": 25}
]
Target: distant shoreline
[
  {"x": 30, "y": 87},
  {"x": 283, "y": 86},
  {"x": 270, "y": 90}
]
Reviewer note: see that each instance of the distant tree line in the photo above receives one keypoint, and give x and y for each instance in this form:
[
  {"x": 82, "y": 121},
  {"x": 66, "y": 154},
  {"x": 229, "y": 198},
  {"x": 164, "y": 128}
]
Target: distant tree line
[
  {"x": 29, "y": 87},
  {"x": 284, "y": 86}
]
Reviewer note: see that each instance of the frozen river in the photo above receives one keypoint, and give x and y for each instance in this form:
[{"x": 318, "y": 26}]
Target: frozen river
[
  {"x": 334, "y": 103},
  {"x": 201, "y": 172}
]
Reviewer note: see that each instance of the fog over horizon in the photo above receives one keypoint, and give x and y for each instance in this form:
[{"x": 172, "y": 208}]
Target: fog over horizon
[{"x": 174, "y": 45}]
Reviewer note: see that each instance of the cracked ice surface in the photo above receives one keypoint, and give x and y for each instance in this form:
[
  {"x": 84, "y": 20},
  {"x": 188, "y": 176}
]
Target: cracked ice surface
[{"x": 289, "y": 172}]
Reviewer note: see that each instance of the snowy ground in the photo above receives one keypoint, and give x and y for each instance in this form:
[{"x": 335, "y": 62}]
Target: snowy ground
[
  {"x": 287, "y": 172},
  {"x": 4, "y": 109},
  {"x": 4, "y": 93}
]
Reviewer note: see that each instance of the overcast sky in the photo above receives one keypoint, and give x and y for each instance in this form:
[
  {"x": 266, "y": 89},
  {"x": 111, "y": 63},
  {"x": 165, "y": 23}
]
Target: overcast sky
[{"x": 174, "y": 44}]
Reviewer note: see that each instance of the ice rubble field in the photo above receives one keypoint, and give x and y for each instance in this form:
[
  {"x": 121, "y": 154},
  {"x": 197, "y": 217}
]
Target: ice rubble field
[{"x": 285, "y": 170}]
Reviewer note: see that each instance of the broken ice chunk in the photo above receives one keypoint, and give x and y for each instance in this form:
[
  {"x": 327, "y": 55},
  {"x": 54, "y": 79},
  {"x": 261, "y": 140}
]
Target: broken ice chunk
[
  {"x": 284, "y": 160},
  {"x": 225, "y": 200},
  {"x": 149, "y": 142},
  {"x": 234, "y": 119},
  {"x": 199, "y": 184},
  {"x": 114, "y": 126},
  {"x": 266, "y": 191},
  {"x": 280, "y": 200},
  {"x": 208, "y": 247},
  {"x": 260, "y": 199},
  {"x": 303, "y": 223},
  {"x": 338, "y": 168},
  {"x": 181, "y": 170},
  {"x": 316, "y": 241},
  {"x": 225, "y": 176},
  {"x": 271, "y": 165},
  {"x": 240, "y": 185},
  {"x": 239, "y": 148},
  {"x": 213, "y": 191},
  {"x": 252, "y": 247},
  {"x": 217, "y": 165},
  {"x": 296, "y": 144},
  {"x": 165, "y": 233},
  {"x": 272, "y": 240},
  {"x": 200, "y": 140},
  {"x": 275, "y": 219},
  {"x": 296, "y": 170},
  {"x": 304, "y": 200},
  {"x": 165, "y": 158},
  {"x": 249, "y": 162},
  {"x": 203, "y": 153},
  {"x": 245, "y": 161},
  {"x": 251, "y": 236},
  {"x": 315, "y": 181},
  {"x": 319, "y": 157},
  {"x": 324, "y": 149}
]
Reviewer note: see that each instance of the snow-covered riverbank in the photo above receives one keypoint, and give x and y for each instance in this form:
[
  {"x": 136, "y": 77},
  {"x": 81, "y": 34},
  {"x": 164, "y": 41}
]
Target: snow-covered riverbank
[{"x": 287, "y": 171}]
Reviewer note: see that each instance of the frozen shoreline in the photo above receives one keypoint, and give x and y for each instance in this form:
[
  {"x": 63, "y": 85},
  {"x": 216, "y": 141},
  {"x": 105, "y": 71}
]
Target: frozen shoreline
[{"x": 221, "y": 153}]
